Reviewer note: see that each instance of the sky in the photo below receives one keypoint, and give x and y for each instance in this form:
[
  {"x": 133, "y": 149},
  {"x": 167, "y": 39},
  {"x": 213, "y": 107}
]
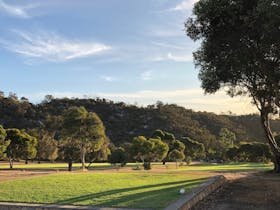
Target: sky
[{"x": 134, "y": 51}]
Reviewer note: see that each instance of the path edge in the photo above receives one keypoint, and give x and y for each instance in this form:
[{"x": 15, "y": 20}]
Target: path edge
[{"x": 196, "y": 194}]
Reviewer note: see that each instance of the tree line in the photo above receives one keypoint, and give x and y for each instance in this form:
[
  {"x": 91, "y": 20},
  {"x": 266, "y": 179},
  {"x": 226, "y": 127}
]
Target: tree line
[{"x": 81, "y": 136}]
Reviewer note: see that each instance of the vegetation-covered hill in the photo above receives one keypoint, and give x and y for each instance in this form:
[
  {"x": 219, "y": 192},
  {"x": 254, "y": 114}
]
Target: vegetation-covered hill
[{"x": 123, "y": 121}]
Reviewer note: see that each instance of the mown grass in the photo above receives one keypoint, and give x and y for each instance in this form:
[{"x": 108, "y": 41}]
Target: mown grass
[
  {"x": 136, "y": 190},
  {"x": 168, "y": 166}
]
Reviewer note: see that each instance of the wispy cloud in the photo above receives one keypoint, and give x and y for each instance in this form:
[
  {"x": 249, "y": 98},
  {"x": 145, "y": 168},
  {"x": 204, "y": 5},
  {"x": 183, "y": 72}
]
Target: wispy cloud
[
  {"x": 168, "y": 45},
  {"x": 52, "y": 47},
  {"x": 16, "y": 11},
  {"x": 189, "y": 98},
  {"x": 172, "y": 57},
  {"x": 147, "y": 75},
  {"x": 108, "y": 78},
  {"x": 184, "y": 5}
]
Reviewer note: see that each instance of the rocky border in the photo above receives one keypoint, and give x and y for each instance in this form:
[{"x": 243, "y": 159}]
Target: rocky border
[{"x": 196, "y": 194}]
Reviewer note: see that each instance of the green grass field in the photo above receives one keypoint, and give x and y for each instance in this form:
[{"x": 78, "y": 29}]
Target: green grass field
[
  {"x": 168, "y": 166},
  {"x": 124, "y": 188},
  {"x": 138, "y": 190}
]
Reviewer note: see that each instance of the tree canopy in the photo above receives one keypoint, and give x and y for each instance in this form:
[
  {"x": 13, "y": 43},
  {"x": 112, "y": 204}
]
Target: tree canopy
[
  {"x": 239, "y": 52},
  {"x": 84, "y": 130},
  {"x": 3, "y": 143},
  {"x": 22, "y": 145}
]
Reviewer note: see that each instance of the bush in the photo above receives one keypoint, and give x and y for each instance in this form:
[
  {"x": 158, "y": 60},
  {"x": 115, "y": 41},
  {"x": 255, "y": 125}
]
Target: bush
[{"x": 118, "y": 156}]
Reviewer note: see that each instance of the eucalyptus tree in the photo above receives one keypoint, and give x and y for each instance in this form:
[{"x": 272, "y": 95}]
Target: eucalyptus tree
[
  {"x": 84, "y": 130},
  {"x": 240, "y": 52},
  {"x": 22, "y": 145}
]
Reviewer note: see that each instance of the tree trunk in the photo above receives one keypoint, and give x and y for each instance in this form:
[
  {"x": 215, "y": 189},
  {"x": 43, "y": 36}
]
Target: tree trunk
[
  {"x": 83, "y": 158},
  {"x": 26, "y": 161},
  {"x": 272, "y": 143},
  {"x": 11, "y": 163},
  {"x": 69, "y": 165}
]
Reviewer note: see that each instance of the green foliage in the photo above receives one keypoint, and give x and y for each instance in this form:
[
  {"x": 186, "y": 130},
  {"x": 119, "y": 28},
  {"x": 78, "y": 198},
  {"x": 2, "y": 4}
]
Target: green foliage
[
  {"x": 159, "y": 150},
  {"x": 124, "y": 121},
  {"x": 47, "y": 147},
  {"x": 22, "y": 145},
  {"x": 3, "y": 143},
  {"x": 238, "y": 53},
  {"x": 141, "y": 148},
  {"x": 176, "y": 155},
  {"x": 118, "y": 155},
  {"x": 194, "y": 149},
  {"x": 250, "y": 152},
  {"x": 227, "y": 138},
  {"x": 148, "y": 149},
  {"x": 164, "y": 136},
  {"x": 83, "y": 130}
]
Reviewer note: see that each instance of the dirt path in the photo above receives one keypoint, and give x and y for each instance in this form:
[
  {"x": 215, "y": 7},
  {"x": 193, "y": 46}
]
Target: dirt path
[
  {"x": 245, "y": 191},
  {"x": 7, "y": 175}
]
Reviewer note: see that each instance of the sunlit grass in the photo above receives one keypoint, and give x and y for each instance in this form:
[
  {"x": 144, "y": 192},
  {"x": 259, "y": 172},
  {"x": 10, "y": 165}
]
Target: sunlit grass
[
  {"x": 167, "y": 166},
  {"x": 137, "y": 190}
]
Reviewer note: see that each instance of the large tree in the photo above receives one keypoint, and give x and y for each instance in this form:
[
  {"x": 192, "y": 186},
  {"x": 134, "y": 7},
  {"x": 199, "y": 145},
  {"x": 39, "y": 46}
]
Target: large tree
[
  {"x": 83, "y": 129},
  {"x": 240, "y": 52}
]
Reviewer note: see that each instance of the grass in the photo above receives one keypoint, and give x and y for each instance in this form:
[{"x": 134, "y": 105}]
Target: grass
[
  {"x": 168, "y": 166},
  {"x": 126, "y": 188},
  {"x": 136, "y": 190}
]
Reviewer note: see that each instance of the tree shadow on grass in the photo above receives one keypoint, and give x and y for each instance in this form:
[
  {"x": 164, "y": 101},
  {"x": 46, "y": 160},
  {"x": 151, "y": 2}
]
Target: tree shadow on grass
[{"x": 155, "y": 198}]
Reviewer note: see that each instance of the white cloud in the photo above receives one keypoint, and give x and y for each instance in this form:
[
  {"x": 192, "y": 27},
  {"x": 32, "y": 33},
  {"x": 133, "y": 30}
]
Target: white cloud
[
  {"x": 16, "y": 11},
  {"x": 108, "y": 78},
  {"x": 147, "y": 75},
  {"x": 52, "y": 47},
  {"x": 176, "y": 58},
  {"x": 184, "y": 5}
]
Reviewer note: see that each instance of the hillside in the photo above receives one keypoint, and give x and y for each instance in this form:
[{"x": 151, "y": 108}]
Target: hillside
[{"x": 123, "y": 121}]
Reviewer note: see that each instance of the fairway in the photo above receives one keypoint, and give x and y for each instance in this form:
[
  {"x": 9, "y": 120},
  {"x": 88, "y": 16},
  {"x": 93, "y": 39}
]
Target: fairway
[
  {"x": 137, "y": 190},
  {"x": 111, "y": 188}
]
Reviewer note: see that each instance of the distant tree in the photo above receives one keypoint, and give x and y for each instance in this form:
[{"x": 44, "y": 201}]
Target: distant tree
[
  {"x": 47, "y": 147},
  {"x": 118, "y": 155},
  {"x": 178, "y": 145},
  {"x": 233, "y": 153},
  {"x": 86, "y": 129},
  {"x": 170, "y": 140},
  {"x": 69, "y": 150},
  {"x": 3, "y": 143},
  {"x": 148, "y": 150},
  {"x": 48, "y": 99},
  {"x": 140, "y": 148},
  {"x": 227, "y": 138},
  {"x": 100, "y": 155},
  {"x": 159, "y": 150},
  {"x": 176, "y": 156},
  {"x": 240, "y": 53},
  {"x": 22, "y": 145},
  {"x": 194, "y": 149}
]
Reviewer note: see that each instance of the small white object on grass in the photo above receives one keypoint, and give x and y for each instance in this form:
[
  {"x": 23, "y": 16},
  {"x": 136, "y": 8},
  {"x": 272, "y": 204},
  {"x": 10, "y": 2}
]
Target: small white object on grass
[{"x": 182, "y": 191}]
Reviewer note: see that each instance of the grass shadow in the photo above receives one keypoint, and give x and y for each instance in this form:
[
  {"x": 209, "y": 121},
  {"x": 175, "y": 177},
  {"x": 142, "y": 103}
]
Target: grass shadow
[{"x": 139, "y": 200}]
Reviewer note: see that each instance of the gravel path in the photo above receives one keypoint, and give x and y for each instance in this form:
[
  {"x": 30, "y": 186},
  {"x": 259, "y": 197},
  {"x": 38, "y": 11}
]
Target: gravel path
[{"x": 245, "y": 191}]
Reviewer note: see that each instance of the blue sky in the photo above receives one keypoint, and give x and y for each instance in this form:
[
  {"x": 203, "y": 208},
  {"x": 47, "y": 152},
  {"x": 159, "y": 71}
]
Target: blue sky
[{"x": 124, "y": 50}]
